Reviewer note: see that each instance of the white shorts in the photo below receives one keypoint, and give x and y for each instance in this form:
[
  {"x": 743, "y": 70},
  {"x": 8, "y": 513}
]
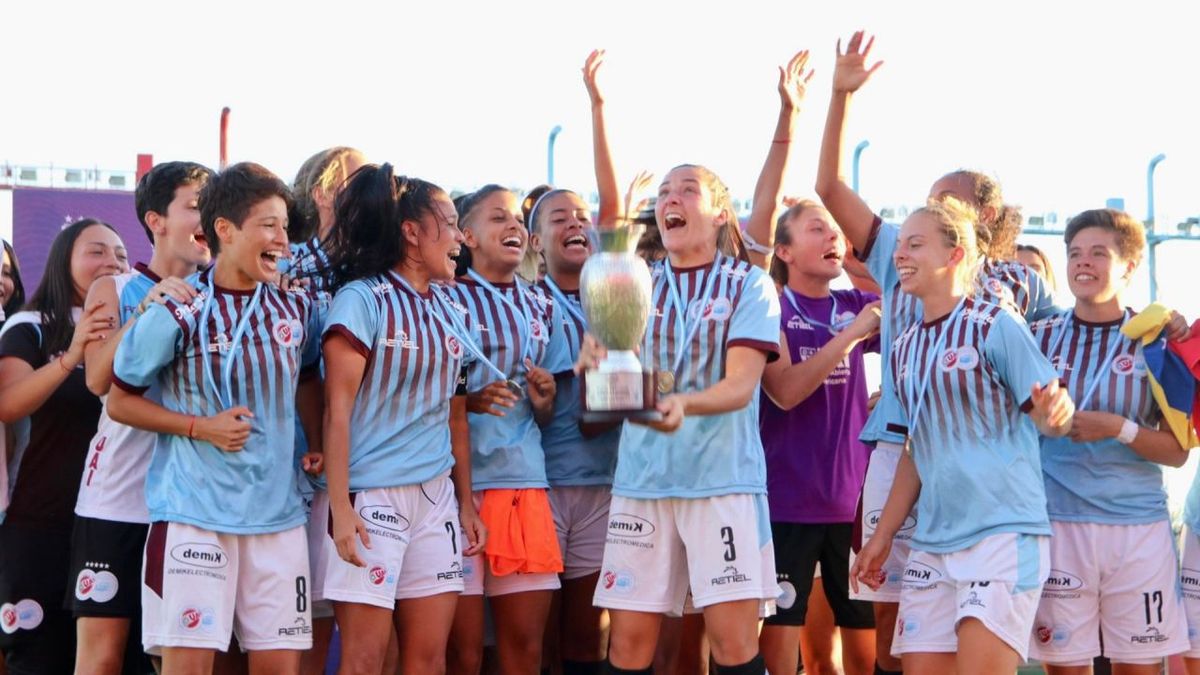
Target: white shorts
[
  {"x": 656, "y": 549},
  {"x": 414, "y": 552},
  {"x": 1119, "y": 581},
  {"x": 199, "y": 587},
  {"x": 479, "y": 580},
  {"x": 881, "y": 471},
  {"x": 1189, "y": 577},
  {"x": 581, "y": 520},
  {"x": 997, "y": 581}
]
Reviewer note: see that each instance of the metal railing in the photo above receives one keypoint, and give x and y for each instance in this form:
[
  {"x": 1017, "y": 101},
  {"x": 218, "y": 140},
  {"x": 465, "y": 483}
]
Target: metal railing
[{"x": 70, "y": 177}]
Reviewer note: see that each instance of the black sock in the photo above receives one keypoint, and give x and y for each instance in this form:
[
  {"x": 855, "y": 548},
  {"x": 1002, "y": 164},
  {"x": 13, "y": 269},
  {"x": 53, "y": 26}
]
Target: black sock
[
  {"x": 610, "y": 669},
  {"x": 582, "y": 667},
  {"x": 880, "y": 671},
  {"x": 755, "y": 666}
]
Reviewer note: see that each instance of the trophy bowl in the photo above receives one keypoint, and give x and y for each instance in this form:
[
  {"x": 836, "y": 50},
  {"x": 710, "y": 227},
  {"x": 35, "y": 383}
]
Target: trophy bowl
[{"x": 615, "y": 290}]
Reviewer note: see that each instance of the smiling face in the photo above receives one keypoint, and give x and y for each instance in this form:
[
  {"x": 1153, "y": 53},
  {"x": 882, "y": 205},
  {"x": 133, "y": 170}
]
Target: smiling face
[
  {"x": 253, "y": 250},
  {"x": 178, "y": 231},
  {"x": 98, "y": 252},
  {"x": 495, "y": 232},
  {"x": 817, "y": 247},
  {"x": 924, "y": 260},
  {"x": 1096, "y": 271},
  {"x": 562, "y": 232},
  {"x": 688, "y": 217},
  {"x": 435, "y": 241}
]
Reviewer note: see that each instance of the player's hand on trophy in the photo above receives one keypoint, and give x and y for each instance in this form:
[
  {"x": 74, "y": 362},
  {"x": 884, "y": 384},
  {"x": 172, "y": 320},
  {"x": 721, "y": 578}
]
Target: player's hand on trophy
[
  {"x": 591, "y": 353},
  {"x": 672, "y": 409},
  {"x": 492, "y": 399}
]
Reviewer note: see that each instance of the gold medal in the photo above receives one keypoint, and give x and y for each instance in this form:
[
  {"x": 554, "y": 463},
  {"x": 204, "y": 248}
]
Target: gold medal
[{"x": 666, "y": 381}]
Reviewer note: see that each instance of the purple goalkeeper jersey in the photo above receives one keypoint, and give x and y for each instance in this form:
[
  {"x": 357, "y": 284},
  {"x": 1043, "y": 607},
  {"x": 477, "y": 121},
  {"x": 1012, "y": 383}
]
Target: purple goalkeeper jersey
[{"x": 815, "y": 462}]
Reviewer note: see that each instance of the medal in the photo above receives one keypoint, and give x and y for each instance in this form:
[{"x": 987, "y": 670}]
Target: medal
[
  {"x": 666, "y": 381},
  {"x": 514, "y": 387}
]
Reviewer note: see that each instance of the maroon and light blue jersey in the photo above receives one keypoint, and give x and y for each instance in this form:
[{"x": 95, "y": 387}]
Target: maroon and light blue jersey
[
  {"x": 508, "y": 323},
  {"x": 400, "y": 425},
  {"x": 723, "y": 304},
  {"x": 1005, "y": 283},
  {"x": 964, "y": 382},
  {"x": 224, "y": 349},
  {"x": 1100, "y": 481}
]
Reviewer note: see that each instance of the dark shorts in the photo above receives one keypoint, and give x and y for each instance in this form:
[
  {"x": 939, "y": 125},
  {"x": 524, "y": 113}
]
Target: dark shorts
[
  {"x": 36, "y": 634},
  {"x": 798, "y": 549},
  {"x": 106, "y": 568}
]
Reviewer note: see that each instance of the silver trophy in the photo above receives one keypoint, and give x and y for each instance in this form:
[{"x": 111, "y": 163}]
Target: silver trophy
[{"x": 615, "y": 290}]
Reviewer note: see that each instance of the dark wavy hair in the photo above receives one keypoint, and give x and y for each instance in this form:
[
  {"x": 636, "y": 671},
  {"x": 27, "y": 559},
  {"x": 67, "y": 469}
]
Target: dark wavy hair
[
  {"x": 55, "y": 295},
  {"x": 366, "y": 238},
  {"x": 17, "y": 300},
  {"x": 156, "y": 190},
  {"x": 231, "y": 194}
]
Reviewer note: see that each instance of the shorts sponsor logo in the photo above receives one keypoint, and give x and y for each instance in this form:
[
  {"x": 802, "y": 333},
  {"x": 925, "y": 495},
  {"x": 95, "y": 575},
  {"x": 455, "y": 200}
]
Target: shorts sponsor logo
[
  {"x": 455, "y": 572},
  {"x": 194, "y": 619},
  {"x": 1063, "y": 585},
  {"x": 618, "y": 582},
  {"x": 1190, "y": 578},
  {"x": 1043, "y": 634},
  {"x": 96, "y": 586},
  {"x": 787, "y": 595},
  {"x": 921, "y": 574},
  {"x": 1150, "y": 637},
  {"x": 1122, "y": 365},
  {"x": 298, "y": 627},
  {"x": 908, "y": 626},
  {"x": 384, "y": 517},
  {"x": 200, "y": 555},
  {"x": 730, "y": 575},
  {"x": 626, "y": 525},
  {"x": 873, "y": 522},
  {"x": 972, "y": 600},
  {"x": 377, "y": 576}
]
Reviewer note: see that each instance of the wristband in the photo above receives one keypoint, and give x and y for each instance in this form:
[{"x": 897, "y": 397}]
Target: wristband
[
  {"x": 753, "y": 245},
  {"x": 1129, "y": 432},
  {"x": 192, "y": 428}
]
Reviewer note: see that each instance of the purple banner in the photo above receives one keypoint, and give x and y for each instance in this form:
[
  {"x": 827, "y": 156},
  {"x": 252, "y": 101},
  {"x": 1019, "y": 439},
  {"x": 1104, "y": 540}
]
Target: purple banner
[{"x": 39, "y": 214}]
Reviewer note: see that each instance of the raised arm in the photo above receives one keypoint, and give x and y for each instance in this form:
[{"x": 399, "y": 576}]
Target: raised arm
[
  {"x": 844, "y": 204},
  {"x": 793, "y": 82},
  {"x": 790, "y": 384},
  {"x": 606, "y": 173}
]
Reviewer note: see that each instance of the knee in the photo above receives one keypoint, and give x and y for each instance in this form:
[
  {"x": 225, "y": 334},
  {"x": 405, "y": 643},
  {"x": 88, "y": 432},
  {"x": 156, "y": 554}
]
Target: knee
[
  {"x": 630, "y": 647},
  {"x": 100, "y": 664},
  {"x": 732, "y": 648},
  {"x": 464, "y": 659},
  {"x": 361, "y": 661}
]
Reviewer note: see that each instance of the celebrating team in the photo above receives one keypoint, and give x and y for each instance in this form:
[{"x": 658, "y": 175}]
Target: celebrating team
[{"x": 378, "y": 426}]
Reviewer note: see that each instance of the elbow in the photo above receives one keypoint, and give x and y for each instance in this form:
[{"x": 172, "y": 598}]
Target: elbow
[
  {"x": 98, "y": 385},
  {"x": 826, "y": 186},
  {"x": 1178, "y": 458}
]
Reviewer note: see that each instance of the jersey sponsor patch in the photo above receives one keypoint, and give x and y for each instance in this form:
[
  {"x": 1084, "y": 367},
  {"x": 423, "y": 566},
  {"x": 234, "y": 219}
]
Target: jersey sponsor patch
[
  {"x": 288, "y": 333},
  {"x": 26, "y": 614},
  {"x": 454, "y": 347}
]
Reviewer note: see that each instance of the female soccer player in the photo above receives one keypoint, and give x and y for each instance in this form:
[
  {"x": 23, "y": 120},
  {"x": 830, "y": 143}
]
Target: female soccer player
[
  {"x": 111, "y": 517},
  {"x": 579, "y": 459},
  {"x": 227, "y": 550},
  {"x": 689, "y": 508},
  {"x": 1113, "y": 556},
  {"x": 42, "y": 378},
  {"x": 874, "y": 241},
  {"x": 12, "y": 291},
  {"x": 966, "y": 375},
  {"x": 1035, "y": 259},
  {"x": 815, "y": 407},
  {"x": 512, "y": 390},
  {"x": 394, "y": 426}
]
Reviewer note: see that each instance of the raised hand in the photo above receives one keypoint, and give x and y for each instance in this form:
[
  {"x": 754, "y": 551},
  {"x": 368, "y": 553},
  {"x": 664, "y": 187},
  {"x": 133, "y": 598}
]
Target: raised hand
[
  {"x": 793, "y": 80},
  {"x": 590, "y": 68},
  {"x": 851, "y": 71}
]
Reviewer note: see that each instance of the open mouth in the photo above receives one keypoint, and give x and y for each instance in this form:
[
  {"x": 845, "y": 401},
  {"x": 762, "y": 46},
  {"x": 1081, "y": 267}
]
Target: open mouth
[
  {"x": 1084, "y": 277},
  {"x": 674, "y": 220},
  {"x": 453, "y": 254},
  {"x": 200, "y": 239},
  {"x": 832, "y": 255},
  {"x": 577, "y": 241},
  {"x": 513, "y": 242},
  {"x": 271, "y": 259},
  {"x": 905, "y": 272}
]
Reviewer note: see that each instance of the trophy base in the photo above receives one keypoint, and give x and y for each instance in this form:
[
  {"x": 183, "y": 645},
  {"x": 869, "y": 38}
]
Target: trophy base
[
  {"x": 609, "y": 416},
  {"x": 613, "y": 397}
]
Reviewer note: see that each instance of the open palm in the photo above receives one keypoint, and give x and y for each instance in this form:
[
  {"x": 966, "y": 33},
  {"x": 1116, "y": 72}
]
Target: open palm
[{"x": 851, "y": 71}]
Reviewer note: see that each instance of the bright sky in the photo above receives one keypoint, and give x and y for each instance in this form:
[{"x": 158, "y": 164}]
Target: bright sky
[{"x": 1064, "y": 102}]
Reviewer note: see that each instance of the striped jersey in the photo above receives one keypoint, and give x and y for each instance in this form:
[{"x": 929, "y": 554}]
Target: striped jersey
[
  {"x": 1006, "y": 283},
  {"x": 113, "y": 483},
  {"x": 400, "y": 424},
  {"x": 731, "y": 303},
  {"x": 204, "y": 364},
  {"x": 506, "y": 452},
  {"x": 1100, "y": 481},
  {"x": 964, "y": 382},
  {"x": 307, "y": 261},
  {"x": 572, "y": 458}
]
